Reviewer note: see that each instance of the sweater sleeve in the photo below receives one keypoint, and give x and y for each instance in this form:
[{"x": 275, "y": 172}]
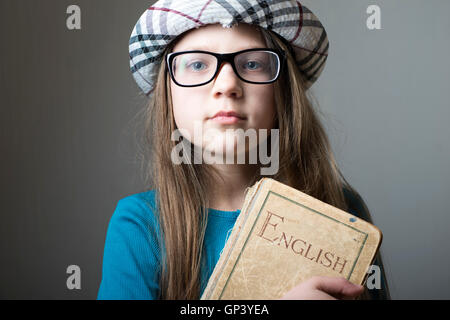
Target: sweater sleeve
[{"x": 131, "y": 254}]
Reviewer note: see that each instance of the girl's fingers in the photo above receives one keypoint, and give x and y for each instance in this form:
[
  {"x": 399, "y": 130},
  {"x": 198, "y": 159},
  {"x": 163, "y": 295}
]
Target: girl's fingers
[{"x": 338, "y": 287}]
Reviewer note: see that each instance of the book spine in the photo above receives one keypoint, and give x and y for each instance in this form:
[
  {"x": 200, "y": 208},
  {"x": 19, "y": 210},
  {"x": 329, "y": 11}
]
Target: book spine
[{"x": 240, "y": 222}]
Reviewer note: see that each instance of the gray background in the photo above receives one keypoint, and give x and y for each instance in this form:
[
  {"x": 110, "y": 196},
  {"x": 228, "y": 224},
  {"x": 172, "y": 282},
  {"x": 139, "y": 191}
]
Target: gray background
[{"x": 68, "y": 125}]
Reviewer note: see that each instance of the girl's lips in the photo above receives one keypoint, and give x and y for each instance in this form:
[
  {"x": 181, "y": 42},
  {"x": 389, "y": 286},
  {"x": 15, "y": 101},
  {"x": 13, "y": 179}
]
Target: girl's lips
[
  {"x": 226, "y": 119},
  {"x": 229, "y": 113}
]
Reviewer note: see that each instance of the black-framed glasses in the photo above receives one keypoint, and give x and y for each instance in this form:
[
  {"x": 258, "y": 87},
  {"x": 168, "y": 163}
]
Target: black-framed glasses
[{"x": 196, "y": 68}]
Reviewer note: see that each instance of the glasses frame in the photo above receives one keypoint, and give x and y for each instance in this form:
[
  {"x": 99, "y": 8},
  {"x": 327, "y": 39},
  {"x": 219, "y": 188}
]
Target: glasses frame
[{"x": 227, "y": 57}]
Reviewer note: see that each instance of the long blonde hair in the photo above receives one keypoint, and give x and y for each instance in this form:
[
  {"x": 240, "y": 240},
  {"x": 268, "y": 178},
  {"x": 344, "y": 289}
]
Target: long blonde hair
[{"x": 306, "y": 163}]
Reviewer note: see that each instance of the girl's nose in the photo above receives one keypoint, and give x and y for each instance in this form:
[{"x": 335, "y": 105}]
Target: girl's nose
[{"x": 227, "y": 82}]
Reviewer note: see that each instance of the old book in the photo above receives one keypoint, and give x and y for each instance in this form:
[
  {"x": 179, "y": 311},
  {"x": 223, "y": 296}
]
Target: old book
[{"x": 283, "y": 237}]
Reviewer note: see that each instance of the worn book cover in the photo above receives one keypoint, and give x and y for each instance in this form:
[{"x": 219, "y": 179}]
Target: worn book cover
[{"x": 283, "y": 237}]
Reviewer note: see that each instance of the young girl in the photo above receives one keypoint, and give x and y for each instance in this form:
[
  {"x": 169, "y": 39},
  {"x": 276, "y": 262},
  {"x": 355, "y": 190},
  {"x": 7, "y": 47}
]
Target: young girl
[{"x": 215, "y": 66}]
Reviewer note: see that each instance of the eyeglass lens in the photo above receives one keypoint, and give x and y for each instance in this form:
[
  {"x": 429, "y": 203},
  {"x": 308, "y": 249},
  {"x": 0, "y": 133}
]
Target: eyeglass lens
[{"x": 197, "y": 68}]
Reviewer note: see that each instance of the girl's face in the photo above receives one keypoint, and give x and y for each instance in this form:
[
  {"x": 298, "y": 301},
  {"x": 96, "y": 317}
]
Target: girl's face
[{"x": 226, "y": 92}]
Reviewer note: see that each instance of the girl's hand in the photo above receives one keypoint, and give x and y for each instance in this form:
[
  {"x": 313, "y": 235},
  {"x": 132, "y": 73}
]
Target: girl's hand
[{"x": 324, "y": 288}]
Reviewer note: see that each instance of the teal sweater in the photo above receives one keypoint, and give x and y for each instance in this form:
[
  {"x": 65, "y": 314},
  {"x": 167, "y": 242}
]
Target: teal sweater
[{"x": 131, "y": 256}]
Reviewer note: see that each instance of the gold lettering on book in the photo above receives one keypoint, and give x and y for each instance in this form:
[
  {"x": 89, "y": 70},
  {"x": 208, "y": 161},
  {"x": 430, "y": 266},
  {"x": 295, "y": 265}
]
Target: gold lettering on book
[{"x": 272, "y": 225}]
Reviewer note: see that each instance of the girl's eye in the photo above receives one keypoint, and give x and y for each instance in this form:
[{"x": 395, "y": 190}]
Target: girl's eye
[
  {"x": 252, "y": 65},
  {"x": 197, "y": 66}
]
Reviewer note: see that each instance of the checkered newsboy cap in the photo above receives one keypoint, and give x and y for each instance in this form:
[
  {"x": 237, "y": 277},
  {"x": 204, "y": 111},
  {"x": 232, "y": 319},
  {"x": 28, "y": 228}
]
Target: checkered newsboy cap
[{"x": 166, "y": 19}]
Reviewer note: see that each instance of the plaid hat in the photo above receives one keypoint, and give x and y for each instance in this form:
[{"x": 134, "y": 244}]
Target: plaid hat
[{"x": 166, "y": 19}]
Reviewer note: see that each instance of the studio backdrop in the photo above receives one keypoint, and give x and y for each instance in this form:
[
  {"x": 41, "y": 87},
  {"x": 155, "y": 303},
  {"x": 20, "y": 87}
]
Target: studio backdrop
[{"x": 69, "y": 111}]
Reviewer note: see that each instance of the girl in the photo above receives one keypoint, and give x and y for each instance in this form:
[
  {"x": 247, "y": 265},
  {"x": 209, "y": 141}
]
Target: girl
[{"x": 215, "y": 66}]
